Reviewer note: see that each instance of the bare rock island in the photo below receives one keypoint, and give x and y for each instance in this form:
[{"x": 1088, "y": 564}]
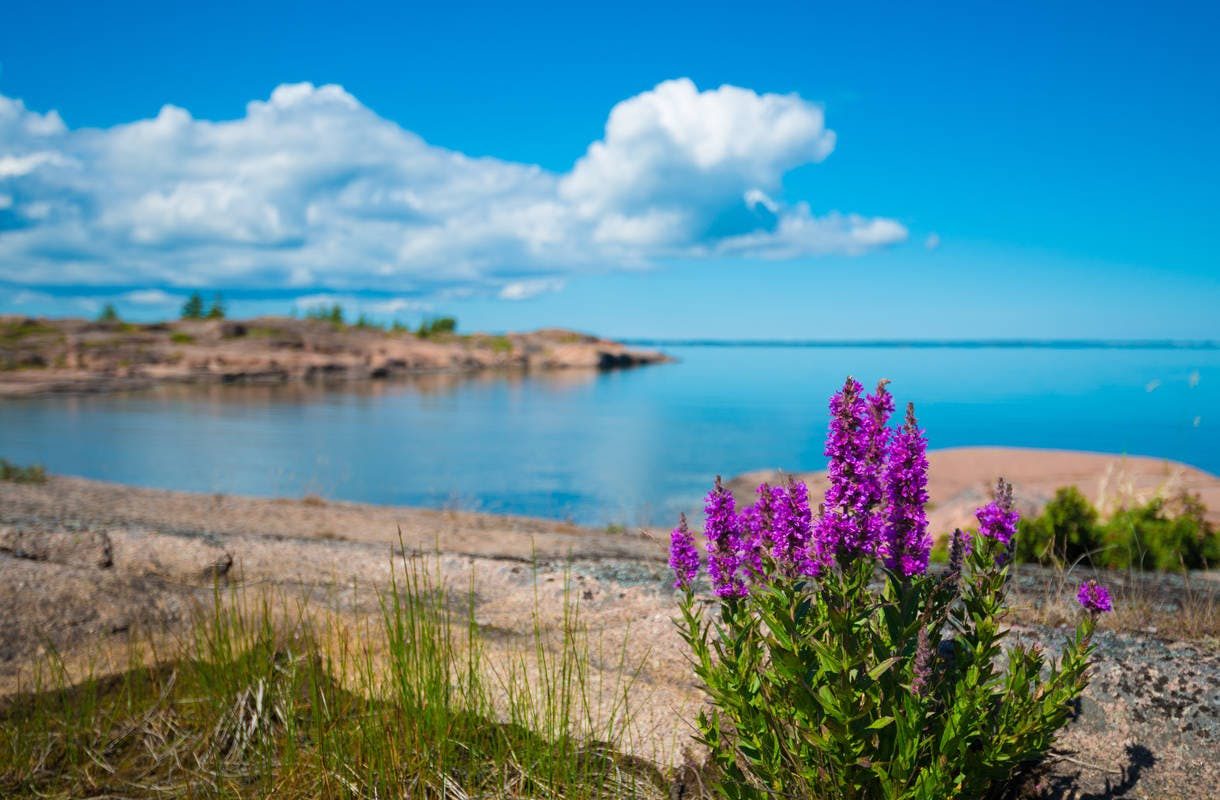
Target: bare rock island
[{"x": 45, "y": 356}]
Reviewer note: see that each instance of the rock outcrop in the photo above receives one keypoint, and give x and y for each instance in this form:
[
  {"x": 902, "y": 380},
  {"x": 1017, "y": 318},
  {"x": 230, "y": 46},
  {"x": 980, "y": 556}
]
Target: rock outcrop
[{"x": 41, "y": 356}]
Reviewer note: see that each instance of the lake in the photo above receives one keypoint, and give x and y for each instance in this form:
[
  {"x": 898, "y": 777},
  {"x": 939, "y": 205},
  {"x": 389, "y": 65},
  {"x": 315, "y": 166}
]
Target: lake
[{"x": 629, "y": 447}]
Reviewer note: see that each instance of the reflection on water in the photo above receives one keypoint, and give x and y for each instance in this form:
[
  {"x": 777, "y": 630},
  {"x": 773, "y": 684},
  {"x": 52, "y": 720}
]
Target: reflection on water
[
  {"x": 631, "y": 447},
  {"x": 437, "y": 383}
]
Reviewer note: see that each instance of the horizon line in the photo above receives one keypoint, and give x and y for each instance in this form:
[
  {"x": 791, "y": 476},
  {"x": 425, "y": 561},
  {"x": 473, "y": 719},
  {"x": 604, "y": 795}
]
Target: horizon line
[{"x": 1049, "y": 344}]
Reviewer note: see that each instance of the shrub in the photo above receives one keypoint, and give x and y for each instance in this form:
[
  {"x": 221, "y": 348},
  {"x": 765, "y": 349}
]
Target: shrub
[
  {"x": 1150, "y": 537},
  {"x": 108, "y": 313},
  {"x": 16, "y": 473},
  {"x": 1065, "y": 532},
  {"x": 826, "y": 683},
  {"x": 1158, "y": 535},
  {"x": 217, "y": 311},
  {"x": 431, "y": 327},
  {"x": 333, "y": 315}
]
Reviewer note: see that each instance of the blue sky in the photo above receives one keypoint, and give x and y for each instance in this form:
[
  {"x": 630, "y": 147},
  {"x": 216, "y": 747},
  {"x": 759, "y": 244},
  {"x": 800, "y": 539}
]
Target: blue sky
[{"x": 878, "y": 171}]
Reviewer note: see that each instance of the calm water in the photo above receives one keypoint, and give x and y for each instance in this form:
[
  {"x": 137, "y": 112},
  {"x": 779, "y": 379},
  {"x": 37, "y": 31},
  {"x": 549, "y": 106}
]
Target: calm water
[{"x": 629, "y": 447}]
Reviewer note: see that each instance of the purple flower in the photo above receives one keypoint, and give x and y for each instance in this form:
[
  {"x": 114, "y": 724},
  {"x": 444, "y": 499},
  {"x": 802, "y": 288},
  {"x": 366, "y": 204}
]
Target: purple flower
[
  {"x": 683, "y": 556},
  {"x": 757, "y": 522},
  {"x": 724, "y": 544},
  {"x": 997, "y": 520},
  {"x": 906, "y": 545},
  {"x": 1094, "y": 598},
  {"x": 851, "y": 522},
  {"x": 798, "y": 549}
]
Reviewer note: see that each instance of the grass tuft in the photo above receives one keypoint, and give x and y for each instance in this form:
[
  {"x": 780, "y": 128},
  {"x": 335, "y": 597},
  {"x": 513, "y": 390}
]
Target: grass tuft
[{"x": 253, "y": 704}]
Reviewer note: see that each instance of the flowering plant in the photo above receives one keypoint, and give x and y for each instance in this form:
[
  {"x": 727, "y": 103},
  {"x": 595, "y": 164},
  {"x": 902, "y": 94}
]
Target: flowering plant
[{"x": 838, "y": 665}]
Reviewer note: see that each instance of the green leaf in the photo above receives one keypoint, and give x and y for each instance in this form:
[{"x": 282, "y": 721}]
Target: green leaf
[
  {"x": 879, "y": 723},
  {"x": 879, "y": 670}
]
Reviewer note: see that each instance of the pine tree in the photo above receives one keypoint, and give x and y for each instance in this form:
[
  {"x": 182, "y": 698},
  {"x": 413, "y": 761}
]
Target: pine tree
[
  {"x": 193, "y": 307},
  {"x": 217, "y": 311}
]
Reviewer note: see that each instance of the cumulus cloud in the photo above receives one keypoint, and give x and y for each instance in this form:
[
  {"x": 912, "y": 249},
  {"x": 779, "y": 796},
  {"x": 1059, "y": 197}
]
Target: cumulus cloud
[{"x": 311, "y": 189}]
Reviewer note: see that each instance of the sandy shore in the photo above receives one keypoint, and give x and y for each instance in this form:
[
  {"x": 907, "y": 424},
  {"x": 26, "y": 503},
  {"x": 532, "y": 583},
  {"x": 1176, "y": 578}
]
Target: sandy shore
[{"x": 84, "y": 563}]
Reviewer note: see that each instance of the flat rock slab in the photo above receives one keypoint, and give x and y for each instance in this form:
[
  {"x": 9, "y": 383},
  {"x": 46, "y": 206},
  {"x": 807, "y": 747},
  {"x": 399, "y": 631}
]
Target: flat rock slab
[{"x": 1148, "y": 725}]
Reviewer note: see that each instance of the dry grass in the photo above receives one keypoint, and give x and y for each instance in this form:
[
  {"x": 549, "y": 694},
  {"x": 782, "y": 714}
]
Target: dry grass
[
  {"x": 260, "y": 702},
  {"x": 1178, "y": 606}
]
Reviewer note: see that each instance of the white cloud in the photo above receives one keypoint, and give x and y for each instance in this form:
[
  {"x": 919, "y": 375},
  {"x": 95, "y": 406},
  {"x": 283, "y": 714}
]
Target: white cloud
[
  {"x": 524, "y": 290},
  {"x": 393, "y": 306},
  {"x": 310, "y": 188},
  {"x": 354, "y": 305},
  {"x": 150, "y": 297},
  {"x": 932, "y": 242}
]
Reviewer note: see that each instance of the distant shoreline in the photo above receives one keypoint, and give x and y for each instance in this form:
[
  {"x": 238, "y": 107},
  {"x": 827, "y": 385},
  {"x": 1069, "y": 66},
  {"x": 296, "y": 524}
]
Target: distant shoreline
[
  {"x": 962, "y": 344},
  {"x": 41, "y": 356}
]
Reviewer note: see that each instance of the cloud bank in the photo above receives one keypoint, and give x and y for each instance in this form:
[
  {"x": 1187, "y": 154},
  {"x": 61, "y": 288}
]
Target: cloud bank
[{"x": 311, "y": 189}]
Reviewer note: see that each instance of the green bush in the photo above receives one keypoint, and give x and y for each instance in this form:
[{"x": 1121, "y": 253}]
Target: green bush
[
  {"x": 431, "y": 327},
  {"x": 1159, "y": 535},
  {"x": 1064, "y": 533},
  {"x": 19, "y": 474},
  {"x": 837, "y": 666},
  {"x": 333, "y": 315},
  {"x": 217, "y": 311},
  {"x": 108, "y": 313},
  {"x": 1148, "y": 537}
]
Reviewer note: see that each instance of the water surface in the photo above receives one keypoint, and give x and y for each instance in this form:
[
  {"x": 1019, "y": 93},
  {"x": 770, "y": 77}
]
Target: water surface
[{"x": 628, "y": 447}]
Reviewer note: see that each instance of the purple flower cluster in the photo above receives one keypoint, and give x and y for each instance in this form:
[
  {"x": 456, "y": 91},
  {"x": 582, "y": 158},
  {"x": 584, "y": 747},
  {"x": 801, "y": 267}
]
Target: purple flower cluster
[
  {"x": 852, "y": 520},
  {"x": 906, "y": 543},
  {"x": 1094, "y": 597},
  {"x": 683, "y": 556},
  {"x": 997, "y": 520},
  {"x": 874, "y": 507},
  {"x": 725, "y": 556}
]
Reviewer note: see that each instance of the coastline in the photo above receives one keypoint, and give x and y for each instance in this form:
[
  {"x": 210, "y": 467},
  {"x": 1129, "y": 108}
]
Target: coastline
[{"x": 40, "y": 357}]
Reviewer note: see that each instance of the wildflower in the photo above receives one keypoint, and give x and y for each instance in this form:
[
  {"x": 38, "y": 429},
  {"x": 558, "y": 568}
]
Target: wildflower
[
  {"x": 851, "y": 523},
  {"x": 683, "y": 557},
  {"x": 1094, "y": 598},
  {"x": 724, "y": 544},
  {"x": 997, "y": 520},
  {"x": 790, "y": 532},
  {"x": 906, "y": 545},
  {"x": 959, "y": 548},
  {"x": 757, "y": 525},
  {"x": 922, "y": 669}
]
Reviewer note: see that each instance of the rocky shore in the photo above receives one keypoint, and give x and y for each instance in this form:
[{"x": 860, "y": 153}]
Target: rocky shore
[
  {"x": 44, "y": 356},
  {"x": 84, "y": 564}
]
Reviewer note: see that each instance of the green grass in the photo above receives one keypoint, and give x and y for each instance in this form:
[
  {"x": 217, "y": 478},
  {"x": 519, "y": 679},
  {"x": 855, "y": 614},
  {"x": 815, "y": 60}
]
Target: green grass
[
  {"x": 13, "y": 331},
  {"x": 252, "y": 706},
  {"x": 178, "y": 337},
  {"x": 34, "y": 473}
]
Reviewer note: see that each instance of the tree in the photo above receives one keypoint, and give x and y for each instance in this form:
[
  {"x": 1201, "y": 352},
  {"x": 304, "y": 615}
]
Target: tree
[
  {"x": 108, "y": 313},
  {"x": 193, "y": 307},
  {"x": 217, "y": 311}
]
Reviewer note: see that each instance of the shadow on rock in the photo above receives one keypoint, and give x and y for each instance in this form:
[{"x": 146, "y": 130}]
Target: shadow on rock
[{"x": 1068, "y": 787}]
